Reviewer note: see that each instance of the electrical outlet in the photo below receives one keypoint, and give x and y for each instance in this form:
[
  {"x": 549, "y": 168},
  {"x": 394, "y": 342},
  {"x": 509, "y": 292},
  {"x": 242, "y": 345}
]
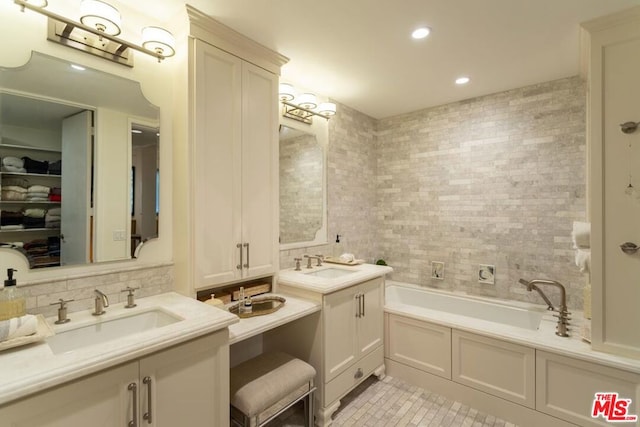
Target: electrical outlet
[
  {"x": 437, "y": 270},
  {"x": 487, "y": 274},
  {"x": 119, "y": 235}
]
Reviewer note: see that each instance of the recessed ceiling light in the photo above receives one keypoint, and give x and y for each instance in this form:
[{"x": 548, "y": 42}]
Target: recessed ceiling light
[
  {"x": 421, "y": 33},
  {"x": 462, "y": 80},
  {"x": 78, "y": 67}
]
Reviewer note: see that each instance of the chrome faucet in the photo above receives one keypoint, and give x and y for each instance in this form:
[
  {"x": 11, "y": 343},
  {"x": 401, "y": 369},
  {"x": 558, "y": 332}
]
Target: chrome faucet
[
  {"x": 563, "y": 314},
  {"x": 101, "y": 302}
]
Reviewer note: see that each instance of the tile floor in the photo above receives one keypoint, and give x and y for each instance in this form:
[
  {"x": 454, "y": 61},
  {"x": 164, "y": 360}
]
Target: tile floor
[{"x": 392, "y": 402}]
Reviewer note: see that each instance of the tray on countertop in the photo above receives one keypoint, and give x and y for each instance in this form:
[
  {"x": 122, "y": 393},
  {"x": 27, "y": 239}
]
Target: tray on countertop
[
  {"x": 336, "y": 260},
  {"x": 259, "y": 306},
  {"x": 43, "y": 331}
]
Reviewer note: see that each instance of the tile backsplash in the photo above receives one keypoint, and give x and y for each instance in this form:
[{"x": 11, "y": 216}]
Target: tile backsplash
[{"x": 151, "y": 281}]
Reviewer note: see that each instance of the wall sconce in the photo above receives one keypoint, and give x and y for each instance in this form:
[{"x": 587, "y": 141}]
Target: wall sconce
[
  {"x": 304, "y": 106},
  {"x": 97, "y": 30}
]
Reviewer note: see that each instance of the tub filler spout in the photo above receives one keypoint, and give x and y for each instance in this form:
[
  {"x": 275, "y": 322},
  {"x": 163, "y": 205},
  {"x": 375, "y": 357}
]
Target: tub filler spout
[{"x": 563, "y": 313}]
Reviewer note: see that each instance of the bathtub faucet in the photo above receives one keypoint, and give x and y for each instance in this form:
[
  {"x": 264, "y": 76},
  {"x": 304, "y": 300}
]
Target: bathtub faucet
[{"x": 563, "y": 314}]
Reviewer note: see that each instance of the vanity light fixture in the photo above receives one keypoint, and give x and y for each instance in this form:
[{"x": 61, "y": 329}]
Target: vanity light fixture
[
  {"x": 304, "y": 106},
  {"x": 97, "y": 30}
]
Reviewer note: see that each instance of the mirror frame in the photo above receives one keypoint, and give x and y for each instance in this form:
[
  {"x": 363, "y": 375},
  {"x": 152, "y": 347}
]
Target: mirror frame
[{"x": 319, "y": 128}]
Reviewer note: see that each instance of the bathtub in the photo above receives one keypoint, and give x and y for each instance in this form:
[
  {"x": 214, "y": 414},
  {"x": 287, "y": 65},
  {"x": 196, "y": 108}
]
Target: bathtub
[{"x": 526, "y": 316}]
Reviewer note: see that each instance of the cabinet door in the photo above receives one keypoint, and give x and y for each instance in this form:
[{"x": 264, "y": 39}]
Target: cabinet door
[
  {"x": 259, "y": 170},
  {"x": 187, "y": 385},
  {"x": 75, "y": 224},
  {"x": 494, "y": 366},
  {"x": 216, "y": 173},
  {"x": 339, "y": 320},
  {"x": 566, "y": 388},
  {"x": 99, "y": 400},
  {"x": 370, "y": 328}
]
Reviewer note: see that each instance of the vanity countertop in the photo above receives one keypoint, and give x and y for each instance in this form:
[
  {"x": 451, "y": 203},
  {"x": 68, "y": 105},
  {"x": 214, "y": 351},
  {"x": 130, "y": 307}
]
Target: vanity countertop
[
  {"x": 32, "y": 368},
  {"x": 294, "y": 308},
  {"x": 354, "y": 274}
]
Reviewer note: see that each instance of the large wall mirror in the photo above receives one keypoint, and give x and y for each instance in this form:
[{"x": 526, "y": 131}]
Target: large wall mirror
[
  {"x": 303, "y": 196},
  {"x": 79, "y": 164}
]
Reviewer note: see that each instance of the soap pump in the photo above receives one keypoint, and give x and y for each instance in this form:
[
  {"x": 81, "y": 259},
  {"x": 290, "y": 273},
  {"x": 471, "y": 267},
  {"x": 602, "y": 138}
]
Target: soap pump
[
  {"x": 10, "y": 280},
  {"x": 12, "y": 304}
]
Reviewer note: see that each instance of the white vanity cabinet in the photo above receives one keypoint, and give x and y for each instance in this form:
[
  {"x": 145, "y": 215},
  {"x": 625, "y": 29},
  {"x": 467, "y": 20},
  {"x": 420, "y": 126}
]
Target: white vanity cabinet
[
  {"x": 235, "y": 177},
  {"x": 233, "y": 156},
  {"x": 183, "y": 385},
  {"x": 353, "y": 325}
]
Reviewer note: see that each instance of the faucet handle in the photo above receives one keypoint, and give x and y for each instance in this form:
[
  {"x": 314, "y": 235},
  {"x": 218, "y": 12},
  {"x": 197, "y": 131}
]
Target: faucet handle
[
  {"x": 62, "y": 311},
  {"x": 320, "y": 258},
  {"x": 130, "y": 297}
]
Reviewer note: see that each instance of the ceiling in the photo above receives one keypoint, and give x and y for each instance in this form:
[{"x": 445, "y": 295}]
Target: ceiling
[{"x": 360, "y": 53}]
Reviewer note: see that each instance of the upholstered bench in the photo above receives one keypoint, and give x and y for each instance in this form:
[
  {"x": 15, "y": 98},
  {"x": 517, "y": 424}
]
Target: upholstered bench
[{"x": 267, "y": 385}]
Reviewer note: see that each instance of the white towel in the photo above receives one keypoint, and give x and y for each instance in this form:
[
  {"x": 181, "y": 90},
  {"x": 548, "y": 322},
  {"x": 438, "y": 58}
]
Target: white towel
[
  {"x": 18, "y": 327},
  {"x": 347, "y": 257},
  {"x": 581, "y": 235},
  {"x": 583, "y": 260},
  {"x": 38, "y": 189},
  {"x": 13, "y": 161}
]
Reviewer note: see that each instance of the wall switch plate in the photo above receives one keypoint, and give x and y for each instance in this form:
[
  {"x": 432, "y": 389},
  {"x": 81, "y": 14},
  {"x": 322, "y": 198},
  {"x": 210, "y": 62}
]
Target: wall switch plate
[
  {"x": 487, "y": 274},
  {"x": 437, "y": 270},
  {"x": 119, "y": 235}
]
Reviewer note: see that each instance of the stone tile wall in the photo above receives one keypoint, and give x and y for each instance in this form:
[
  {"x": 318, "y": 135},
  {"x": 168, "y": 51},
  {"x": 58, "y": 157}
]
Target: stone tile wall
[
  {"x": 351, "y": 182},
  {"x": 495, "y": 180},
  {"x": 151, "y": 281}
]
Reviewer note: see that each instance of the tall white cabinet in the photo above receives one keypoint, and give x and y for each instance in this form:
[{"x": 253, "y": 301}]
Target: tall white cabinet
[
  {"x": 613, "y": 60},
  {"x": 233, "y": 156}
]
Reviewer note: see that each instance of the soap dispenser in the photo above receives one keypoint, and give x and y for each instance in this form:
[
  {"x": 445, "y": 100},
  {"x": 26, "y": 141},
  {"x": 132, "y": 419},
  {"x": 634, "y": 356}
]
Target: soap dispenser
[{"x": 12, "y": 303}]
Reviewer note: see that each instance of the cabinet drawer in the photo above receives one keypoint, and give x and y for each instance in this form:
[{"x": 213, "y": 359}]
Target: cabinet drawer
[
  {"x": 497, "y": 367},
  {"x": 566, "y": 387},
  {"x": 344, "y": 382},
  {"x": 418, "y": 344}
]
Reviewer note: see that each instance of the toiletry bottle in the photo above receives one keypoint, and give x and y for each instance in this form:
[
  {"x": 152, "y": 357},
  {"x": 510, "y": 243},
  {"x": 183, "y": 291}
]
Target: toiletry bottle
[
  {"x": 12, "y": 303},
  {"x": 248, "y": 305},
  {"x": 241, "y": 300},
  {"x": 337, "y": 248}
]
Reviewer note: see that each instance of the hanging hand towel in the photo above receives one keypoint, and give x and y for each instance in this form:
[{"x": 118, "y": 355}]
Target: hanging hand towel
[
  {"x": 583, "y": 260},
  {"x": 581, "y": 235}
]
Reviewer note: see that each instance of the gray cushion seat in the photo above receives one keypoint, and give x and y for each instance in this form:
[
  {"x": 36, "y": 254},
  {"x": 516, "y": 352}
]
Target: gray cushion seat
[{"x": 269, "y": 379}]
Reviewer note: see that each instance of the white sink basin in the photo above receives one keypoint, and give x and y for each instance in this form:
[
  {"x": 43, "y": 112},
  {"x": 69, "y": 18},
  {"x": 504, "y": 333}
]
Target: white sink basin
[
  {"x": 330, "y": 273},
  {"x": 111, "y": 329}
]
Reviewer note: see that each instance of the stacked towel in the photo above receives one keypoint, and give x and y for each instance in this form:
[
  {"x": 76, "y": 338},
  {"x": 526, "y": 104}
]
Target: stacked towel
[
  {"x": 11, "y": 217},
  {"x": 35, "y": 166},
  {"x": 38, "y": 193},
  {"x": 13, "y": 192},
  {"x": 18, "y": 327},
  {"x": 55, "y": 168},
  {"x": 12, "y": 227},
  {"x": 52, "y": 218},
  {"x": 12, "y": 164},
  {"x": 581, "y": 236},
  {"x": 55, "y": 194},
  {"x": 34, "y": 218}
]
